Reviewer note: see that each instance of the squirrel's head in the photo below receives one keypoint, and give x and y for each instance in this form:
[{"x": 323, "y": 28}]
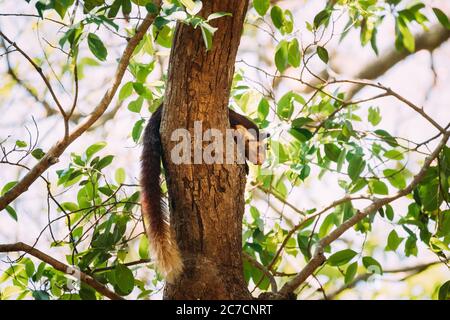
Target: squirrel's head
[{"x": 255, "y": 144}]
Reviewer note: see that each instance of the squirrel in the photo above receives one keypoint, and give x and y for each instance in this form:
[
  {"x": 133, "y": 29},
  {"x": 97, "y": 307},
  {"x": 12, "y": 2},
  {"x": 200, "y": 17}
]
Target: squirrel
[{"x": 164, "y": 248}]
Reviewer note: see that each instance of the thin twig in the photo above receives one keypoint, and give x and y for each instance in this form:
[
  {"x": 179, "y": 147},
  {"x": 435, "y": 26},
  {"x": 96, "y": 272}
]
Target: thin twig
[{"x": 87, "y": 279}]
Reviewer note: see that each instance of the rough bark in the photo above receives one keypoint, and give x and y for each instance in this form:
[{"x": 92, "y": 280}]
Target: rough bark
[{"x": 206, "y": 201}]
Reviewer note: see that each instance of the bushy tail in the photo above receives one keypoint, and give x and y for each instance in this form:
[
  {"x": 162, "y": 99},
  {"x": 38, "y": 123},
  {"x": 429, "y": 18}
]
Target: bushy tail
[{"x": 164, "y": 248}]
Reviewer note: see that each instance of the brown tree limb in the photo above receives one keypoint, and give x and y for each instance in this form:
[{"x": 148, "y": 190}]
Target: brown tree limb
[
  {"x": 319, "y": 258},
  {"x": 307, "y": 218},
  {"x": 85, "y": 278},
  {"x": 38, "y": 70},
  {"x": 279, "y": 198},
  {"x": 48, "y": 109},
  {"x": 390, "y": 92},
  {"x": 58, "y": 148},
  {"x": 263, "y": 269},
  {"x": 128, "y": 264},
  {"x": 424, "y": 41},
  {"x": 363, "y": 277},
  {"x": 32, "y": 16},
  {"x": 429, "y": 40}
]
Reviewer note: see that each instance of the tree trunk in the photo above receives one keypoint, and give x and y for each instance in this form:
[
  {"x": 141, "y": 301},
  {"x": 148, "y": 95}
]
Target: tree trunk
[{"x": 206, "y": 201}]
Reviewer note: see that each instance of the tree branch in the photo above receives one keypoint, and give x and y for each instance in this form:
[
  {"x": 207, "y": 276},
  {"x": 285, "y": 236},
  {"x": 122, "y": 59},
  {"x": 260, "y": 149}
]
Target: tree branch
[
  {"x": 48, "y": 109},
  {"x": 263, "y": 269},
  {"x": 58, "y": 148},
  {"x": 363, "y": 277},
  {"x": 318, "y": 259},
  {"x": 424, "y": 41},
  {"x": 307, "y": 218},
  {"x": 429, "y": 40},
  {"x": 87, "y": 279},
  {"x": 33, "y": 16},
  {"x": 39, "y": 71},
  {"x": 390, "y": 92}
]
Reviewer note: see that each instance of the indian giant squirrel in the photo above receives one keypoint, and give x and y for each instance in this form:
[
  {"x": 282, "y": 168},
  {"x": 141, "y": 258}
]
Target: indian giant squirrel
[{"x": 164, "y": 248}]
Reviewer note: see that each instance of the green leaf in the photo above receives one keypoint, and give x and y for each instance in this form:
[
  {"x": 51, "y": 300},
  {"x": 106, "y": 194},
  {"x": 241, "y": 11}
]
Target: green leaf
[
  {"x": 367, "y": 27},
  {"x": 106, "y": 191},
  {"x": 395, "y": 178},
  {"x": 124, "y": 279},
  {"x": 207, "y": 33},
  {"x": 137, "y": 130},
  {"x": 300, "y": 122},
  {"x": 394, "y": 155},
  {"x": 358, "y": 185},
  {"x": 40, "y": 295},
  {"x": 93, "y": 149},
  {"x": 323, "y": 54},
  {"x": 378, "y": 187},
  {"x": 151, "y": 8},
  {"x": 120, "y": 175},
  {"x": 143, "y": 248},
  {"x": 87, "y": 293},
  {"x": 437, "y": 245},
  {"x": 342, "y": 257},
  {"x": 444, "y": 291},
  {"x": 126, "y": 90},
  {"x": 69, "y": 206},
  {"x": 327, "y": 225},
  {"x": 341, "y": 160},
  {"x": 139, "y": 88},
  {"x": 350, "y": 273},
  {"x": 91, "y": 4},
  {"x": 136, "y": 105},
  {"x": 38, "y": 153},
  {"x": 263, "y": 109},
  {"x": 407, "y": 37},
  {"x": 302, "y": 135},
  {"x": 386, "y": 137},
  {"x": 332, "y": 151},
  {"x": 126, "y": 7},
  {"x": 442, "y": 17},
  {"x": 261, "y": 6},
  {"x": 373, "y": 41},
  {"x": 294, "y": 53},
  {"x": 114, "y": 8},
  {"x": 393, "y": 241},
  {"x": 322, "y": 18},
  {"x": 61, "y": 7},
  {"x": 372, "y": 265},
  {"x": 282, "y": 56},
  {"x": 97, "y": 47},
  {"x": 8, "y": 187},
  {"x": 279, "y": 152},
  {"x": 304, "y": 173},
  {"x": 21, "y": 144},
  {"x": 303, "y": 244},
  {"x": 444, "y": 223},
  {"x": 277, "y": 16},
  {"x": 374, "y": 116},
  {"x": 192, "y": 7},
  {"x": 12, "y": 213},
  {"x": 285, "y": 106},
  {"x": 29, "y": 267},
  {"x": 430, "y": 195},
  {"x": 411, "y": 246},
  {"x": 356, "y": 166},
  {"x": 389, "y": 212},
  {"x": 218, "y": 15},
  {"x": 104, "y": 162}
]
